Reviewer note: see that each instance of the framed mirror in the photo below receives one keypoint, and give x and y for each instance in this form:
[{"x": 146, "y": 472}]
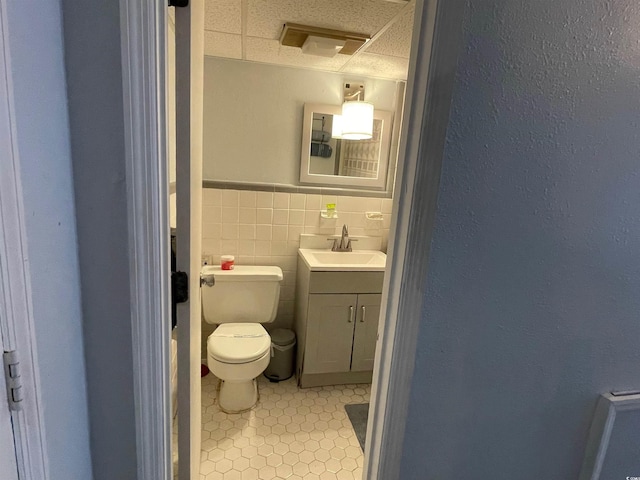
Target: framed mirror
[{"x": 326, "y": 159}]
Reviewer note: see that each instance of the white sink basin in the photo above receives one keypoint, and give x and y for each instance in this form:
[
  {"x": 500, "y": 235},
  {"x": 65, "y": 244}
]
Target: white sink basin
[{"x": 358, "y": 260}]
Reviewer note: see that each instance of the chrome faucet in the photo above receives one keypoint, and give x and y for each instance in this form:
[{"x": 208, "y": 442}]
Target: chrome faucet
[{"x": 345, "y": 241}]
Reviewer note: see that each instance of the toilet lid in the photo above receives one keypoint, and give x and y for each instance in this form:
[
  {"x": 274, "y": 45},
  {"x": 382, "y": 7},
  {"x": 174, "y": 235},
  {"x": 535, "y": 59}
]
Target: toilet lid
[{"x": 238, "y": 342}]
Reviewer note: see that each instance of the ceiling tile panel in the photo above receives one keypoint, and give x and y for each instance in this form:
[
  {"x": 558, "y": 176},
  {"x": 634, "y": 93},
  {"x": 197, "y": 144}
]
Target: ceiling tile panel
[
  {"x": 270, "y": 51},
  {"x": 223, "y": 16},
  {"x": 396, "y": 41},
  {"x": 226, "y": 45},
  {"x": 382, "y": 66},
  {"x": 266, "y": 17}
]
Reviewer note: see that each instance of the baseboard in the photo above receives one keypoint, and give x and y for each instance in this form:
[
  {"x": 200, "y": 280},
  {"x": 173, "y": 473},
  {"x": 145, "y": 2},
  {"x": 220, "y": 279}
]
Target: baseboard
[{"x": 308, "y": 380}]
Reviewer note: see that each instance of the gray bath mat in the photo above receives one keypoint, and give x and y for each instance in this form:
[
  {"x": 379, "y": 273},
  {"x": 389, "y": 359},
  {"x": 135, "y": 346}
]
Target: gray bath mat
[{"x": 358, "y": 414}]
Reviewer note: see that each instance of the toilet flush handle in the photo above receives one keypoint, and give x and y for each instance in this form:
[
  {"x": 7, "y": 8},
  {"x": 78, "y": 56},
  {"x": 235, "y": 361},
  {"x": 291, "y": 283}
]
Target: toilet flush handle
[{"x": 208, "y": 280}]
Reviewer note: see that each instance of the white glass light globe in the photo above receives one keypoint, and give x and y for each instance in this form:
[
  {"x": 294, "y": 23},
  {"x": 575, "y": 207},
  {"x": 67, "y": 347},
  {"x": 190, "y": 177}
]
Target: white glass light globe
[
  {"x": 357, "y": 120},
  {"x": 336, "y": 127}
]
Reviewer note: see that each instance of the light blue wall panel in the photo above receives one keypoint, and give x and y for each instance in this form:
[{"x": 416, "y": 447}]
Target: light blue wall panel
[{"x": 531, "y": 310}]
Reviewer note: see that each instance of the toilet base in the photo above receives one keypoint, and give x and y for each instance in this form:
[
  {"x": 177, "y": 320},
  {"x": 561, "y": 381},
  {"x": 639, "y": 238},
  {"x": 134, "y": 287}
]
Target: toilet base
[{"x": 237, "y": 397}]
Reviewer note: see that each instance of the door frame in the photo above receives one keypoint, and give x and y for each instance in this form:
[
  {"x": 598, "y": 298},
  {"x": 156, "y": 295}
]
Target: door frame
[
  {"x": 436, "y": 40},
  {"x": 143, "y": 43},
  {"x": 189, "y": 77},
  {"x": 17, "y": 327},
  {"x": 437, "y": 36}
]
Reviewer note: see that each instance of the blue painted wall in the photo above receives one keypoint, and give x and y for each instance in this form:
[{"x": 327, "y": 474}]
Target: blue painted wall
[
  {"x": 94, "y": 88},
  {"x": 533, "y": 301}
]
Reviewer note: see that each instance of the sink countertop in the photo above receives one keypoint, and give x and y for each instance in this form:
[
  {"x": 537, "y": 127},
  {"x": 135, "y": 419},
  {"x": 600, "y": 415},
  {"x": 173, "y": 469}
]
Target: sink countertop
[{"x": 324, "y": 260}]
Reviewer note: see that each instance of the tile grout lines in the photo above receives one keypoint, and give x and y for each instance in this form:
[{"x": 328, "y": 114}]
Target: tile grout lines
[{"x": 291, "y": 434}]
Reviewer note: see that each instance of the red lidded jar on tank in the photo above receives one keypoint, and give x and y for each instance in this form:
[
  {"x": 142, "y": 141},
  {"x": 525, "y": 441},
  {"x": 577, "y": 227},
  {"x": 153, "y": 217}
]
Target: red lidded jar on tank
[{"x": 227, "y": 262}]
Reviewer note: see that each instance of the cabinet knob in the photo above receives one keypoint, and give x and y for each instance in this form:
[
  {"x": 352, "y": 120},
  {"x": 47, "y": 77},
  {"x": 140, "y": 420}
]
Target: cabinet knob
[
  {"x": 364, "y": 313},
  {"x": 350, "y": 314}
]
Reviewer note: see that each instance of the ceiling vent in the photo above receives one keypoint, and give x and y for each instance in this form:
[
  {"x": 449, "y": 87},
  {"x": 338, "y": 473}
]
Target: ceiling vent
[{"x": 322, "y": 41}]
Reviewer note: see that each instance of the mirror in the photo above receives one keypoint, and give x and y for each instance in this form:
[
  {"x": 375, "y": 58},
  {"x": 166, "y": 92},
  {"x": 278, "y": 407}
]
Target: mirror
[{"x": 326, "y": 159}]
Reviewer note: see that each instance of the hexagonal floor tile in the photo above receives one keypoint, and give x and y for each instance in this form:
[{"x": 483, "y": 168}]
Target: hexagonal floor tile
[{"x": 291, "y": 434}]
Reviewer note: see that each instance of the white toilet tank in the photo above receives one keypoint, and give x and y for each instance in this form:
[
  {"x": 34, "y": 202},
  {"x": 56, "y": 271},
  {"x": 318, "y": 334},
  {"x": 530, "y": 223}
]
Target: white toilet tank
[{"x": 244, "y": 294}]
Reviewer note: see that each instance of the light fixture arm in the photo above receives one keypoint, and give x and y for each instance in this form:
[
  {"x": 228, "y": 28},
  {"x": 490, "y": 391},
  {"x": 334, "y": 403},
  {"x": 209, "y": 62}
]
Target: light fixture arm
[{"x": 353, "y": 92}]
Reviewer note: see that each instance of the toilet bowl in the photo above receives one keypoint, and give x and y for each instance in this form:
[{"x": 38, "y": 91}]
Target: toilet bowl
[
  {"x": 239, "y": 301},
  {"x": 237, "y": 353}
]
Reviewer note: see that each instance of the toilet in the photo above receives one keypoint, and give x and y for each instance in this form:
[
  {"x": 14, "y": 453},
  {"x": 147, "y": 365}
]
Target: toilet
[{"x": 239, "y": 350}]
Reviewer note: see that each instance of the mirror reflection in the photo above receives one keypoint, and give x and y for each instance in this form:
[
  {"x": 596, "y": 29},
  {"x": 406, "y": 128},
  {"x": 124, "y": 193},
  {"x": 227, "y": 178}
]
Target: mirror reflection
[
  {"x": 328, "y": 159},
  {"x": 332, "y": 155}
]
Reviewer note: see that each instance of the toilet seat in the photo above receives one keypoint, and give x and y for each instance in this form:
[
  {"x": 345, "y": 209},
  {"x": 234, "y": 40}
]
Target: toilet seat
[{"x": 238, "y": 343}]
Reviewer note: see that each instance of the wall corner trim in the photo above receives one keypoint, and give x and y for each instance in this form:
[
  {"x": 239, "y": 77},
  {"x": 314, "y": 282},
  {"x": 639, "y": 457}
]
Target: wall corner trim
[
  {"x": 437, "y": 36},
  {"x": 142, "y": 24},
  {"x": 606, "y": 414}
]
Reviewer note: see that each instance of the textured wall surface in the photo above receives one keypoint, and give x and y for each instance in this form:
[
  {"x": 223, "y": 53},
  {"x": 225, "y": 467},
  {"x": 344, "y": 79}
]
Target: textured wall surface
[
  {"x": 532, "y": 306},
  {"x": 94, "y": 86}
]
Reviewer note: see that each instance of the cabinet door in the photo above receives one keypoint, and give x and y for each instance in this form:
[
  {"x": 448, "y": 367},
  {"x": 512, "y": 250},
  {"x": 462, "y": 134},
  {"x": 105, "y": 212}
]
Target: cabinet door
[
  {"x": 366, "y": 334},
  {"x": 329, "y": 333}
]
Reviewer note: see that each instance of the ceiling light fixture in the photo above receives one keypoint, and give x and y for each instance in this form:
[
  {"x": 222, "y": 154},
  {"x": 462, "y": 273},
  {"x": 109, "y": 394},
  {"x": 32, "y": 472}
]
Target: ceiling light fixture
[
  {"x": 321, "y": 41},
  {"x": 322, "y": 46},
  {"x": 357, "y": 115}
]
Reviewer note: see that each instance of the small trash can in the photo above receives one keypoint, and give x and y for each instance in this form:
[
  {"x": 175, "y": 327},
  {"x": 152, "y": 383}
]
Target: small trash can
[{"x": 283, "y": 353}]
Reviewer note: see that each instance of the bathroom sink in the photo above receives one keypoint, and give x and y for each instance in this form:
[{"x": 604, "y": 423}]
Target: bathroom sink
[
  {"x": 345, "y": 258},
  {"x": 359, "y": 260}
]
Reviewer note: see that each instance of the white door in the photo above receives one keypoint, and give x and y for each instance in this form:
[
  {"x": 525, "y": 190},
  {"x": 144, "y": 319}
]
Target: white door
[
  {"x": 12, "y": 275},
  {"x": 8, "y": 465},
  {"x": 189, "y": 48}
]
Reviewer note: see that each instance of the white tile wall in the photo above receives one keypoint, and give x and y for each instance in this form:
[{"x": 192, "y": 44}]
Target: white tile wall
[{"x": 263, "y": 228}]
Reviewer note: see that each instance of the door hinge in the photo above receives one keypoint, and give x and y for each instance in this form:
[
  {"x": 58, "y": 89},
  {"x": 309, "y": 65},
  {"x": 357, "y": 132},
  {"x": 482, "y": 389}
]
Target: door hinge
[
  {"x": 179, "y": 287},
  {"x": 15, "y": 393},
  {"x": 178, "y": 3}
]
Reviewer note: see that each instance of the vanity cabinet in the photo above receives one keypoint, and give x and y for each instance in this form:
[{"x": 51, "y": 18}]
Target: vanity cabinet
[
  {"x": 341, "y": 332},
  {"x": 337, "y": 316},
  {"x": 329, "y": 333},
  {"x": 365, "y": 336}
]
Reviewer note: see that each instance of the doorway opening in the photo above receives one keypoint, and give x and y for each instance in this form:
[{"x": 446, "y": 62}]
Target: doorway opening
[
  {"x": 389, "y": 370},
  {"x": 259, "y": 208}
]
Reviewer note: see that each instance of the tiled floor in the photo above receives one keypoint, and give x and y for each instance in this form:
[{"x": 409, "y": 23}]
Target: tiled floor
[{"x": 291, "y": 434}]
